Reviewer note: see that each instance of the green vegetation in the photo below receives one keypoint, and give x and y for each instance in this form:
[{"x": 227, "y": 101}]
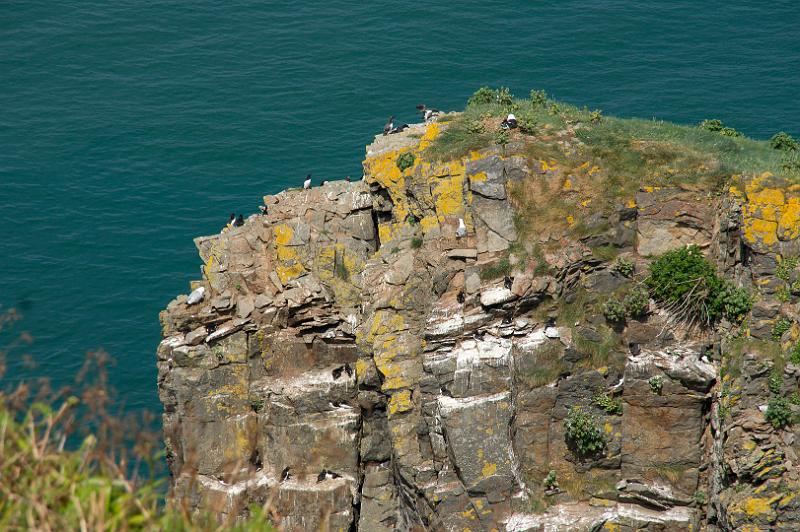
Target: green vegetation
[
  {"x": 416, "y": 242},
  {"x": 784, "y": 141},
  {"x": 501, "y": 138},
  {"x": 781, "y": 326},
  {"x": 549, "y": 365},
  {"x": 794, "y": 354},
  {"x": 690, "y": 287},
  {"x": 716, "y": 126},
  {"x": 700, "y": 498},
  {"x": 656, "y": 384},
  {"x": 550, "y": 482},
  {"x": 775, "y": 381},
  {"x": 779, "y": 412},
  {"x": 637, "y": 302},
  {"x": 608, "y": 404},
  {"x": 614, "y": 310},
  {"x": 405, "y": 160},
  {"x": 488, "y": 96},
  {"x": 70, "y": 461},
  {"x": 583, "y": 435},
  {"x": 785, "y": 268},
  {"x": 496, "y": 269},
  {"x": 624, "y": 267}
]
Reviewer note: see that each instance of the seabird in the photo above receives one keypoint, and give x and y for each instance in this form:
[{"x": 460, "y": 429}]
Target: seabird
[
  {"x": 211, "y": 327},
  {"x": 461, "y": 298},
  {"x": 322, "y": 475},
  {"x": 337, "y": 372},
  {"x": 285, "y": 474},
  {"x": 196, "y": 296},
  {"x": 239, "y": 221},
  {"x": 427, "y": 114},
  {"x": 509, "y": 122},
  {"x": 231, "y": 220},
  {"x": 508, "y": 282},
  {"x": 307, "y": 182},
  {"x": 506, "y": 320},
  {"x": 461, "y": 232},
  {"x": 324, "y": 182},
  {"x": 263, "y": 209},
  {"x": 389, "y": 126},
  {"x": 348, "y": 370},
  {"x": 634, "y": 348},
  {"x": 347, "y": 178}
]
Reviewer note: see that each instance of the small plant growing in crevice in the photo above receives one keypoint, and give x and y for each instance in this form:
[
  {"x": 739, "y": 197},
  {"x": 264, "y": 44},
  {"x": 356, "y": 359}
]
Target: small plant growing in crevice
[
  {"x": 781, "y": 326},
  {"x": 794, "y": 354},
  {"x": 496, "y": 269},
  {"x": 783, "y": 141},
  {"x": 775, "y": 381},
  {"x": 583, "y": 435},
  {"x": 624, "y": 267},
  {"x": 256, "y": 403},
  {"x": 595, "y": 116},
  {"x": 550, "y": 482},
  {"x": 785, "y": 268},
  {"x": 416, "y": 242},
  {"x": 656, "y": 384},
  {"x": 779, "y": 412},
  {"x": 637, "y": 302},
  {"x": 405, "y": 160},
  {"x": 614, "y": 310},
  {"x": 608, "y": 404},
  {"x": 700, "y": 498}
]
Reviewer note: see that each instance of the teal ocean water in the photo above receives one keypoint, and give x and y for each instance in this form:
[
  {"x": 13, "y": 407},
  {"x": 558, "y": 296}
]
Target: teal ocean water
[{"x": 128, "y": 128}]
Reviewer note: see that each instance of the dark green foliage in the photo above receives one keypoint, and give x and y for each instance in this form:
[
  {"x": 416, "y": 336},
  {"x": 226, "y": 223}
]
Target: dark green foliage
[
  {"x": 781, "y": 326},
  {"x": 550, "y": 481},
  {"x": 405, "y": 160},
  {"x": 717, "y": 126},
  {"x": 794, "y": 354},
  {"x": 624, "y": 267},
  {"x": 416, "y": 242},
  {"x": 496, "y": 269},
  {"x": 656, "y": 384},
  {"x": 637, "y": 302},
  {"x": 779, "y": 412},
  {"x": 775, "y": 382},
  {"x": 700, "y": 497},
  {"x": 783, "y": 141},
  {"x": 486, "y": 95},
  {"x": 609, "y": 404},
  {"x": 614, "y": 310},
  {"x": 501, "y": 137},
  {"x": 688, "y": 284},
  {"x": 583, "y": 435},
  {"x": 526, "y": 122}
]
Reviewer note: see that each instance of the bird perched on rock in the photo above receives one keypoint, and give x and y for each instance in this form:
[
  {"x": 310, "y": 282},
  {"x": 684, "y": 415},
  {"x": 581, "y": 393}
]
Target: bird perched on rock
[
  {"x": 231, "y": 220},
  {"x": 389, "y": 126},
  {"x": 427, "y": 114},
  {"x": 508, "y": 282},
  {"x": 348, "y": 370},
  {"x": 239, "y": 221},
  {"x": 337, "y": 372},
  {"x": 461, "y": 298},
  {"x": 196, "y": 296},
  {"x": 307, "y": 182},
  {"x": 285, "y": 475},
  {"x": 461, "y": 232},
  {"x": 327, "y": 475}
]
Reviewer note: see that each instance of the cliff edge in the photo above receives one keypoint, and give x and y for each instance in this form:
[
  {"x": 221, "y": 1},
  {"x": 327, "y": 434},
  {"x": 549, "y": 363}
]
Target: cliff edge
[{"x": 358, "y": 364}]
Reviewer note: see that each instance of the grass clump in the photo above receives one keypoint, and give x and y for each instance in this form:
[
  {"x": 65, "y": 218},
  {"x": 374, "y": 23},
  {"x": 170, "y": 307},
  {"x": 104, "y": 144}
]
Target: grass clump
[
  {"x": 690, "y": 287},
  {"x": 496, "y": 269},
  {"x": 614, "y": 310},
  {"x": 416, "y": 242},
  {"x": 779, "y": 412},
  {"x": 584, "y": 436},
  {"x": 405, "y": 160},
  {"x": 794, "y": 354}
]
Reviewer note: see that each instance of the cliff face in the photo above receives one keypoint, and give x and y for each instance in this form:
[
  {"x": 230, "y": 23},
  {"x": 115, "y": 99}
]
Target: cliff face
[{"x": 351, "y": 331}]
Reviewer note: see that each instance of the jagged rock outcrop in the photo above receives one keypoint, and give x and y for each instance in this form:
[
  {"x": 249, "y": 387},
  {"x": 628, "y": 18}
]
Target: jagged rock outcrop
[{"x": 356, "y": 364}]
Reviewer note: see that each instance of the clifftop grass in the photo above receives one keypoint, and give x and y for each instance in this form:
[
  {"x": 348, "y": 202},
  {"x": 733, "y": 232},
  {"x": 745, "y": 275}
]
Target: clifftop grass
[{"x": 592, "y": 162}]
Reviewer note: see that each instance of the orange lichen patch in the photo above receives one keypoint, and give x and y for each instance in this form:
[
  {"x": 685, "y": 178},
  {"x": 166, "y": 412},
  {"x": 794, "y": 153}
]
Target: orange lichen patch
[
  {"x": 567, "y": 186},
  {"x": 400, "y": 402},
  {"x": 289, "y": 265},
  {"x": 768, "y": 214},
  {"x": 631, "y": 204},
  {"x": 488, "y": 469}
]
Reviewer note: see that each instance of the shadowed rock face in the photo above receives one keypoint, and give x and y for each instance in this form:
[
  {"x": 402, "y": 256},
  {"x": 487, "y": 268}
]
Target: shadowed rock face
[{"x": 352, "y": 364}]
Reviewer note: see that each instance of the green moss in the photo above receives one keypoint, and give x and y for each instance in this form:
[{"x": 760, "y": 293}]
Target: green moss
[
  {"x": 416, "y": 242},
  {"x": 405, "y": 160},
  {"x": 496, "y": 269}
]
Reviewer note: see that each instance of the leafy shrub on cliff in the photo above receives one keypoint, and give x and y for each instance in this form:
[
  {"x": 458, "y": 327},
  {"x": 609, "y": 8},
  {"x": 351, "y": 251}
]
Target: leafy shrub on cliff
[
  {"x": 609, "y": 404},
  {"x": 583, "y": 434},
  {"x": 614, "y": 310},
  {"x": 486, "y": 95},
  {"x": 781, "y": 326},
  {"x": 779, "y": 412},
  {"x": 784, "y": 141},
  {"x": 405, "y": 160},
  {"x": 624, "y": 267},
  {"x": 716, "y": 126},
  {"x": 688, "y": 284},
  {"x": 637, "y": 302}
]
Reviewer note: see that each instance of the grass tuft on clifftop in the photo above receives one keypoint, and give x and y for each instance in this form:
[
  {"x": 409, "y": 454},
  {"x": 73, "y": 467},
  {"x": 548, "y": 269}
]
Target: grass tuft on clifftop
[{"x": 592, "y": 162}]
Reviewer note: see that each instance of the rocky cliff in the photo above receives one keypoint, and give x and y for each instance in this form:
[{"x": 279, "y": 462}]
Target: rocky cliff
[{"x": 359, "y": 366}]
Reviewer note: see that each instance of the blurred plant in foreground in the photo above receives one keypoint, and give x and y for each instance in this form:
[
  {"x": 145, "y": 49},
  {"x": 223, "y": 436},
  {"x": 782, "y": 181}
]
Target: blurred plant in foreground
[{"x": 70, "y": 461}]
